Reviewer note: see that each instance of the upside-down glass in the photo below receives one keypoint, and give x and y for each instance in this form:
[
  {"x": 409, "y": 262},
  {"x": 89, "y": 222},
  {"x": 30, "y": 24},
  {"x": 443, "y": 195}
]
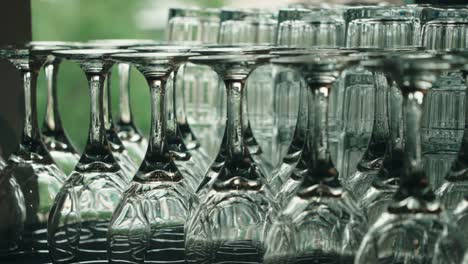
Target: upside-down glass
[
  {"x": 321, "y": 221},
  {"x": 249, "y": 139},
  {"x": 228, "y": 224},
  {"x": 148, "y": 224},
  {"x": 376, "y": 163},
  {"x": 30, "y": 180},
  {"x": 456, "y": 179},
  {"x": 79, "y": 219},
  {"x": 444, "y": 114},
  {"x": 414, "y": 228},
  {"x": 130, "y": 135},
  {"x": 255, "y": 27},
  {"x": 175, "y": 108},
  {"x": 54, "y": 135},
  {"x": 198, "y": 85},
  {"x": 369, "y": 27}
]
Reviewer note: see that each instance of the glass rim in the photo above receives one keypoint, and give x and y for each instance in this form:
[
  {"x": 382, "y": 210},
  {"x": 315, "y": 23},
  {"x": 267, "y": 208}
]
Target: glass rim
[
  {"x": 384, "y": 13},
  {"x": 315, "y": 59},
  {"x": 211, "y": 14},
  {"x": 149, "y": 56},
  {"x": 121, "y": 43},
  {"x": 88, "y": 53},
  {"x": 227, "y": 58},
  {"x": 161, "y": 47},
  {"x": 311, "y": 15},
  {"x": 220, "y": 49}
]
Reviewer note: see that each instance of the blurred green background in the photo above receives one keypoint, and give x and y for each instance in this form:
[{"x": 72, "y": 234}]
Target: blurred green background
[{"x": 82, "y": 20}]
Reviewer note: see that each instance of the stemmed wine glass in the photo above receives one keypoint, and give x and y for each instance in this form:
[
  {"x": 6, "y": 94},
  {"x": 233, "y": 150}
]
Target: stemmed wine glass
[
  {"x": 321, "y": 222},
  {"x": 31, "y": 180},
  {"x": 228, "y": 224},
  {"x": 148, "y": 224},
  {"x": 176, "y": 110},
  {"x": 130, "y": 135},
  {"x": 82, "y": 210},
  {"x": 53, "y": 133},
  {"x": 414, "y": 228},
  {"x": 443, "y": 120},
  {"x": 249, "y": 139},
  {"x": 379, "y": 144}
]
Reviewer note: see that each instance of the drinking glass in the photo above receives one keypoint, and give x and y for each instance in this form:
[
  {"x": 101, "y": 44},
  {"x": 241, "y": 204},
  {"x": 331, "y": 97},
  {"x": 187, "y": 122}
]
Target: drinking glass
[
  {"x": 228, "y": 225},
  {"x": 54, "y": 135},
  {"x": 200, "y": 161},
  {"x": 248, "y": 137},
  {"x": 148, "y": 224},
  {"x": 444, "y": 113},
  {"x": 321, "y": 222},
  {"x": 198, "y": 84},
  {"x": 414, "y": 228},
  {"x": 79, "y": 219},
  {"x": 119, "y": 151},
  {"x": 30, "y": 180},
  {"x": 192, "y": 26},
  {"x": 455, "y": 184},
  {"x": 385, "y": 135},
  {"x": 369, "y": 27},
  {"x": 256, "y": 27},
  {"x": 130, "y": 135}
]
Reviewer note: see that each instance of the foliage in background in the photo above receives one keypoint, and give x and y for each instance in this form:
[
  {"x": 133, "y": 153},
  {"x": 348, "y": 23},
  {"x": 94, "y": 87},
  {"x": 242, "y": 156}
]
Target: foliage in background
[{"x": 82, "y": 20}]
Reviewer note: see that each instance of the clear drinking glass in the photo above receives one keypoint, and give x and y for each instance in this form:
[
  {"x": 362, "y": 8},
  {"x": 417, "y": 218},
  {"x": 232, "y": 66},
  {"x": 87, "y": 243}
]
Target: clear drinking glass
[
  {"x": 255, "y": 27},
  {"x": 444, "y": 113},
  {"x": 130, "y": 135},
  {"x": 79, "y": 219},
  {"x": 54, "y": 135},
  {"x": 370, "y": 169},
  {"x": 321, "y": 222},
  {"x": 369, "y": 27},
  {"x": 148, "y": 224},
  {"x": 197, "y": 83},
  {"x": 30, "y": 180},
  {"x": 200, "y": 161},
  {"x": 249, "y": 139},
  {"x": 228, "y": 225},
  {"x": 121, "y": 154},
  {"x": 414, "y": 228},
  {"x": 455, "y": 185}
]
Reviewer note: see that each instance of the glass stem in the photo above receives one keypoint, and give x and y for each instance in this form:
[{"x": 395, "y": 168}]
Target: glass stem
[
  {"x": 380, "y": 130},
  {"x": 413, "y": 180},
  {"x": 96, "y": 131},
  {"x": 52, "y": 120},
  {"x": 459, "y": 169},
  {"x": 300, "y": 131},
  {"x": 316, "y": 152},
  {"x": 107, "y": 103},
  {"x": 235, "y": 123},
  {"x": 30, "y": 129},
  {"x": 157, "y": 143},
  {"x": 125, "y": 113}
]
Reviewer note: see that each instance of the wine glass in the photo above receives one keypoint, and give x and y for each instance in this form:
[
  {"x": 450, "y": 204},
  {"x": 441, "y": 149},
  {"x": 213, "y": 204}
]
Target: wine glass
[
  {"x": 198, "y": 85},
  {"x": 30, "y": 180},
  {"x": 414, "y": 228},
  {"x": 256, "y": 27},
  {"x": 79, "y": 219},
  {"x": 130, "y": 135},
  {"x": 119, "y": 151},
  {"x": 148, "y": 224},
  {"x": 249, "y": 139},
  {"x": 379, "y": 147},
  {"x": 454, "y": 187},
  {"x": 444, "y": 114},
  {"x": 199, "y": 163},
  {"x": 320, "y": 221},
  {"x": 228, "y": 224},
  {"x": 377, "y": 28},
  {"x": 54, "y": 135}
]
